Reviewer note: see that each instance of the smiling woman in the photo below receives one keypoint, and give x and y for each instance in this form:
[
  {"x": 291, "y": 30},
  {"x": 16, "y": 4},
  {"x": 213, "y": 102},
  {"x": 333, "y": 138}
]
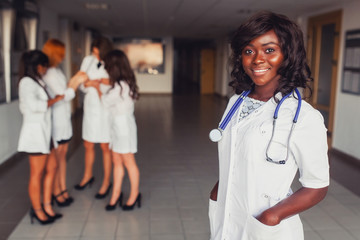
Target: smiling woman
[
  {"x": 269, "y": 66},
  {"x": 261, "y": 60}
]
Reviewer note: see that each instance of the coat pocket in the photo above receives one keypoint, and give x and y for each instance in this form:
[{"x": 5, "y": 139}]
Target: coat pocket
[
  {"x": 255, "y": 230},
  {"x": 212, "y": 217}
]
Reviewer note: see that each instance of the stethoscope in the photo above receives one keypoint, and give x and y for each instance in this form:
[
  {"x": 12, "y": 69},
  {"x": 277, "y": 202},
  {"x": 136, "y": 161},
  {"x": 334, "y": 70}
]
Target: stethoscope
[{"x": 216, "y": 134}]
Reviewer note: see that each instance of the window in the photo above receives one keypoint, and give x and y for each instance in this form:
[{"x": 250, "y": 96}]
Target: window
[{"x": 145, "y": 55}]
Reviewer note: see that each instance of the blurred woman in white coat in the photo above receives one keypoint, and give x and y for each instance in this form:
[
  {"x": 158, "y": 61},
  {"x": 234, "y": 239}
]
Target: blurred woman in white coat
[
  {"x": 35, "y": 135},
  {"x": 61, "y": 115},
  {"x": 95, "y": 127},
  {"x": 120, "y": 101}
]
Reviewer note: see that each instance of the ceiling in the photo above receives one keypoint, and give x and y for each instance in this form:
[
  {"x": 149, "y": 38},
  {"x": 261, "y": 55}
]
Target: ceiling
[{"x": 178, "y": 18}]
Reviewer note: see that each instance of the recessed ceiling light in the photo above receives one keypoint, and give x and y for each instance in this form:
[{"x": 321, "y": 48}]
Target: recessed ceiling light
[
  {"x": 244, "y": 11},
  {"x": 97, "y": 6}
]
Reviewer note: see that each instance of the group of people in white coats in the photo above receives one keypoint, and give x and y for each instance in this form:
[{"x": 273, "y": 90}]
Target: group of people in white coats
[
  {"x": 45, "y": 102},
  {"x": 110, "y": 95}
]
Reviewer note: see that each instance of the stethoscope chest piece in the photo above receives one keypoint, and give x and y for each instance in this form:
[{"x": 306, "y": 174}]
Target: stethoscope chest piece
[{"x": 215, "y": 135}]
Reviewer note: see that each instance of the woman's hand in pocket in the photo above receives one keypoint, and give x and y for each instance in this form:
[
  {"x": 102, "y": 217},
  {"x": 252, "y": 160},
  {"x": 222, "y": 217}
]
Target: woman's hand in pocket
[{"x": 268, "y": 218}]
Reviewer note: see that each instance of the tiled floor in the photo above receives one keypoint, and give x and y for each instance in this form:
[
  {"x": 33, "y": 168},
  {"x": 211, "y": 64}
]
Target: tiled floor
[{"x": 178, "y": 167}]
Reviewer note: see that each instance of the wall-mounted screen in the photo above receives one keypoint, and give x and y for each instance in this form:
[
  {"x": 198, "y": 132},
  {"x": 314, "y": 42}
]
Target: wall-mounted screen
[{"x": 145, "y": 55}]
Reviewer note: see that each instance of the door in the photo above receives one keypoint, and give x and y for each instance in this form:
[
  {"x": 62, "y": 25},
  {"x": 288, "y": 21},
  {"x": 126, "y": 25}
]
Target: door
[
  {"x": 207, "y": 78},
  {"x": 323, "y": 55}
]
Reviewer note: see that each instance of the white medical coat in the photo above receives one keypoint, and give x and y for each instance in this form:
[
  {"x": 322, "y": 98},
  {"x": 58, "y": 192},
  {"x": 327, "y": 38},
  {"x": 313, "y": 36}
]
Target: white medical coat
[
  {"x": 248, "y": 184},
  {"x": 95, "y": 127},
  {"x": 61, "y": 111},
  {"x": 122, "y": 121},
  {"x": 35, "y": 133}
]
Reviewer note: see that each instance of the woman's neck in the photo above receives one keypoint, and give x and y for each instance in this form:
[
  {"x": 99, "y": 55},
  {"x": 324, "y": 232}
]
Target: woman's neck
[{"x": 262, "y": 96}]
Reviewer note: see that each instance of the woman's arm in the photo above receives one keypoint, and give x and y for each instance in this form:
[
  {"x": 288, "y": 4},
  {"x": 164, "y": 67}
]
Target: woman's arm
[
  {"x": 301, "y": 200},
  {"x": 79, "y": 78},
  {"x": 95, "y": 84},
  {"x": 105, "y": 81},
  {"x": 54, "y": 100}
]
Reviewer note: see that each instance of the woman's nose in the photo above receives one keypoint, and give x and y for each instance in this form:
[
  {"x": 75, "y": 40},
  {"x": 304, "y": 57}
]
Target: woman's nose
[{"x": 258, "y": 58}]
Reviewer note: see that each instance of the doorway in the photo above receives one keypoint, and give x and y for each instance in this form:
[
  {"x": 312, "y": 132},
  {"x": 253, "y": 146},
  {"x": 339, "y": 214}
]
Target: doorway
[
  {"x": 189, "y": 69},
  {"x": 323, "y": 55}
]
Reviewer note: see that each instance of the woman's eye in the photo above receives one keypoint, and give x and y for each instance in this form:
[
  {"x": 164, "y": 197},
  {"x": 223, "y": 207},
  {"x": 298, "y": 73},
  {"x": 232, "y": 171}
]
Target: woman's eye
[
  {"x": 247, "y": 51},
  {"x": 269, "y": 50}
]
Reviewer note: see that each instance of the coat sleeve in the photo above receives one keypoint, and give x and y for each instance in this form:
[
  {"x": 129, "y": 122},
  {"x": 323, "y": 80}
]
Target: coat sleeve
[
  {"x": 85, "y": 67},
  {"x": 310, "y": 149},
  {"x": 69, "y": 94},
  {"x": 32, "y": 97},
  {"x": 110, "y": 97}
]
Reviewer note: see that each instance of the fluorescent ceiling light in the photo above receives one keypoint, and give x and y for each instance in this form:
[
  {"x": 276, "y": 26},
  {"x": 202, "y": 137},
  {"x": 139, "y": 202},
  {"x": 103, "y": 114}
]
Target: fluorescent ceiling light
[{"x": 97, "y": 6}]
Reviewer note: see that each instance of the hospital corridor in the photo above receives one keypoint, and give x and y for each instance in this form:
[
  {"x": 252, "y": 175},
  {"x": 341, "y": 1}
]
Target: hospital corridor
[{"x": 237, "y": 116}]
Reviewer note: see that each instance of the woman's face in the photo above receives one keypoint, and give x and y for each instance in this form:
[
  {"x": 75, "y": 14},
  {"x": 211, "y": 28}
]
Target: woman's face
[
  {"x": 59, "y": 57},
  {"x": 41, "y": 69},
  {"x": 96, "y": 52},
  {"x": 261, "y": 59}
]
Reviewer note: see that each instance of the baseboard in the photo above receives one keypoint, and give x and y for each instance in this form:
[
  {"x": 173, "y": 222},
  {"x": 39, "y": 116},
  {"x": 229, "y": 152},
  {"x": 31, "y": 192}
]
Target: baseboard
[
  {"x": 12, "y": 161},
  {"x": 344, "y": 157}
]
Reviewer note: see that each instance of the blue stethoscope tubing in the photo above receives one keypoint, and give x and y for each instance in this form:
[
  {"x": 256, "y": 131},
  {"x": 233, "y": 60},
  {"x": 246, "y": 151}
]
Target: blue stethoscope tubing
[{"x": 216, "y": 134}]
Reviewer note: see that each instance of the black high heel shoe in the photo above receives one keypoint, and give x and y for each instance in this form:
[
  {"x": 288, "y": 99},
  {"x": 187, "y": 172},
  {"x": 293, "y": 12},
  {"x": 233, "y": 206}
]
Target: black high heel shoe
[
  {"x": 112, "y": 207},
  {"x": 81, "y": 187},
  {"x": 33, "y": 215},
  {"x": 131, "y": 207},
  {"x": 68, "y": 199},
  {"x": 53, "y": 217},
  {"x": 101, "y": 196},
  {"x": 59, "y": 203}
]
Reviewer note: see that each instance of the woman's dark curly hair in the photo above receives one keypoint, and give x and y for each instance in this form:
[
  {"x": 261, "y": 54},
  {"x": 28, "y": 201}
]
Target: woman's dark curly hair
[
  {"x": 294, "y": 71},
  {"x": 118, "y": 67}
]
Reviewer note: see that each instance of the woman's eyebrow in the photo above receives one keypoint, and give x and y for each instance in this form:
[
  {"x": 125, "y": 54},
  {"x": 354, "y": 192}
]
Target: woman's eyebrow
[{"x": 265, "y": 44}]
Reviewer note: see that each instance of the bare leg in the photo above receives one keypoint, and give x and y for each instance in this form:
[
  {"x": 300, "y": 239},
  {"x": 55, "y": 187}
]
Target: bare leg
[
  {"x": 107, "y": 167},
  {"x": 134, "y": 176},
  {"x": 57, "y": 187},
  {"x": 61, "y": 153},
  {"x": 51, "y": 169},
  {"x": 37, "y": 166},
  {"x": 118, "y": 175},
  {"x": 89, "y": 162}
]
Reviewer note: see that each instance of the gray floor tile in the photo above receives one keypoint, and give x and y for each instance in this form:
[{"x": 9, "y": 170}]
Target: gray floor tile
[
  {"x": 196, "y": 226},
  {"x": 311, "y": 235},
  {"x": 335, "y": 235},
  {"x": 166, "y": 227},
  {"x": 167, "y": 237},
  {"x": 106, "y": 229},
  {"x": 198, "y": 236},
  {"x": 65, "y": 229},
  {"x": 133, "y": 227}
]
